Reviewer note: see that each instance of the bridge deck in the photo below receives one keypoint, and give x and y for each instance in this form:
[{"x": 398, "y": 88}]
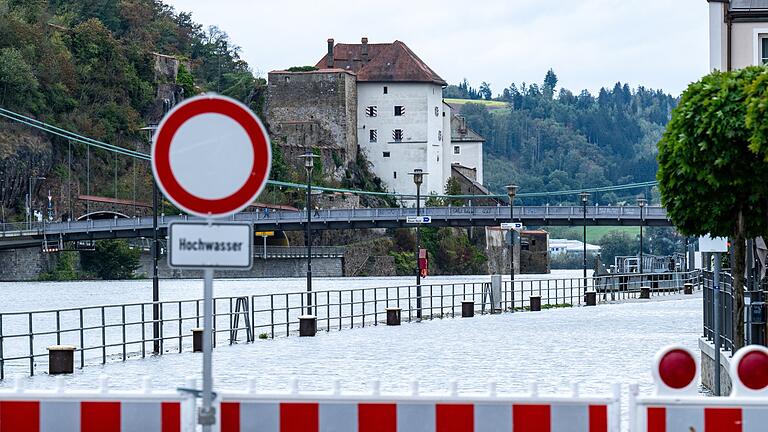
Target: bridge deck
[{"x": 19, "y": 235}]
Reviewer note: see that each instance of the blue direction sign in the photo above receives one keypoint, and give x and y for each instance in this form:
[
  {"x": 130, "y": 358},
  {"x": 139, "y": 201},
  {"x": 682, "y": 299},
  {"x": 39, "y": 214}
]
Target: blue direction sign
[{"x": 418, "y": 219}]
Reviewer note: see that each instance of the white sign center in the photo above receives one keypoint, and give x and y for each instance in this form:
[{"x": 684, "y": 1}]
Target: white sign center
[
  {"x": 206, "y": 173},
  {"x": 214, "y": 245}
]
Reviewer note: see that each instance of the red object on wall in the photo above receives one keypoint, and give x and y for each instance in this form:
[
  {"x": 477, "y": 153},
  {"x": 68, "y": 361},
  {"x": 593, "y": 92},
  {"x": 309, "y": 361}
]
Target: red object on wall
[{"x": 423, "y": 263}]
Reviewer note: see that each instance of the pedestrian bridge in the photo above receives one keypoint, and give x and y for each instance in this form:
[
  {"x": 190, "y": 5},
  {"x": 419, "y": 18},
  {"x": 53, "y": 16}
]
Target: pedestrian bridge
[{"x": 24, "y": 235}]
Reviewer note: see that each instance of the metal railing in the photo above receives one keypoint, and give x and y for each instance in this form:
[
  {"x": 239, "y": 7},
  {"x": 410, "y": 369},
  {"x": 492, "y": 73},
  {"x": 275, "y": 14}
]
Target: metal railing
[
  {"x": 726, "y": 302},
  {"x": 123, "y": 331},
  {"x": 535, "y": 215},
  {"x": 297, "y": 251}
]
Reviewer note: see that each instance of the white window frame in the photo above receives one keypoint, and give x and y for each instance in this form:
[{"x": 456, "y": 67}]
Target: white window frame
[{"x": 757, "y": 42}]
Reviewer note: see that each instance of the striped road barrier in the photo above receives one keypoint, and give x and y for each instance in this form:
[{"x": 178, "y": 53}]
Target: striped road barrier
[
  {"x": 677, "y": 406},
  {"x": 103, "y": 410},
  {"x": 376, "y": 412}
]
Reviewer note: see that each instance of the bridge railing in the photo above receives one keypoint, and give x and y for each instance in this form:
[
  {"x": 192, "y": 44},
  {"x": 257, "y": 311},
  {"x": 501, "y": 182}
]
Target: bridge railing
[
  {"x": 123, "y": 331},
  {"x": 339, "y": 215}
]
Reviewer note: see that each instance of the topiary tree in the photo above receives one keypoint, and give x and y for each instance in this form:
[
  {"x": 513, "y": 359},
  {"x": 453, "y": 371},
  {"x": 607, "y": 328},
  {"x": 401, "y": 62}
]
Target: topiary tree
[
  {"x": 112, "y": 259},
  {"x": 710, "y": 181}
]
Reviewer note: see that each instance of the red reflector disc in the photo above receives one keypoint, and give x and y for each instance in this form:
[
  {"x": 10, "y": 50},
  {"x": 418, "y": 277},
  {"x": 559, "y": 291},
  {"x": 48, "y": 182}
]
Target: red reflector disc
[
  {"x": 753, "y": 370},
  {"x": 677, "y": 369}
]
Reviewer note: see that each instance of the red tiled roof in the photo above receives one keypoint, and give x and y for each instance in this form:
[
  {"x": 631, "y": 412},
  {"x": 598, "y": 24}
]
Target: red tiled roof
[{"x": 386, "y": 62}]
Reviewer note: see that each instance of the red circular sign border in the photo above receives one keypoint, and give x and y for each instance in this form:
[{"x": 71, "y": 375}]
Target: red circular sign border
[{"x": 167, "y": 181}]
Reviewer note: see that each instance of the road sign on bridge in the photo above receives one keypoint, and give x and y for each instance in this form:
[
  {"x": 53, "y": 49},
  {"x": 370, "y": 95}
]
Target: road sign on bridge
[
  {"x": 511, "y": 225},
  {"x": 418, "y": 219}
]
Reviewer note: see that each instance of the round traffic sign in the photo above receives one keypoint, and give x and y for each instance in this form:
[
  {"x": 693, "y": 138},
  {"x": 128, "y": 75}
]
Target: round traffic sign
[{"x": 211, "y": 156}]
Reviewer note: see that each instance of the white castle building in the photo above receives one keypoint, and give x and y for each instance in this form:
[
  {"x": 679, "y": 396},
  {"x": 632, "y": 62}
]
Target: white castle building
[{"x": 401, "y": 122}]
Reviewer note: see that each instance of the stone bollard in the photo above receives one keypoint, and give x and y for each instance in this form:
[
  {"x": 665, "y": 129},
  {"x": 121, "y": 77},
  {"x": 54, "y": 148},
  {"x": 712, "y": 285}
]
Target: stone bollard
[
  {"x": 307, "y": 325},
  {"x": 393, "y": 316},
  {"x": 61, "y": 359},
  {"x": 535, "y": 303},
  {"x": 645, "y": 292},
  {"x": 197, "y": 340},
  {"x": 688, "y": 288},
  {"x": 467, "y": 308},
  {"x": 590, "y": 298}
]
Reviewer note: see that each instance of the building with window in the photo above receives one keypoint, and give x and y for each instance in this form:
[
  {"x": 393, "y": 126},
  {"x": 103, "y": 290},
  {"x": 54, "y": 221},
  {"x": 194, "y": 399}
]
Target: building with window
[
  {"x": 738, "y": 33},
  {"x": 400, "y": 119}
]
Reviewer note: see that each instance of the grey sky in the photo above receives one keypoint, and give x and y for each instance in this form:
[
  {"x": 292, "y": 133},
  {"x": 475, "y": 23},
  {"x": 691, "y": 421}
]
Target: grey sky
[{"x": 589, "y": 43}]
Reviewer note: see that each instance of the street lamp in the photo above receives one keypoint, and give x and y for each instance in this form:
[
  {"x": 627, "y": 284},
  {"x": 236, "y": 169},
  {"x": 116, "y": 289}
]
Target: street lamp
[
  {"x": 641, "y": 203},
  {"x": 309, "y": 164},
  {"x": 511, "y": 192},
  {"x": 584, "y": 199},
  {"x": 29, "y": 196},
  {"x": 418, "y": 179},
  {"x": 156, "y": 342}
]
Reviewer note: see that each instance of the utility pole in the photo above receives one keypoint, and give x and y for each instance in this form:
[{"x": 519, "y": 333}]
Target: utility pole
[
  {"x": 418, "y": 179},
  {"x": 584, "y": 198}
]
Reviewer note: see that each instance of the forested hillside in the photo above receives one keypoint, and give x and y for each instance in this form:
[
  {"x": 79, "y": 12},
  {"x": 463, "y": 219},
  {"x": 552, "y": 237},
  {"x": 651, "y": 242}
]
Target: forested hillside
[
  {"x": 551, "y": 139},
  {"x": 89, "y": 66}
]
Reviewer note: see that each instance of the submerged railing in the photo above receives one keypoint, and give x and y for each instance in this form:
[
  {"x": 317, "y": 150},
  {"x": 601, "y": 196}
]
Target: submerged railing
[{"x": 123, "y": 331}]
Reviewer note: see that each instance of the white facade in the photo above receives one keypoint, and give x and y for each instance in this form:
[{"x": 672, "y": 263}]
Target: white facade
[
  {"x": 468, "y": 154},
  {"x": 401, "y": 128},
  {"x": 564, "y": 246},
  {"x": 748, "y": 38}
]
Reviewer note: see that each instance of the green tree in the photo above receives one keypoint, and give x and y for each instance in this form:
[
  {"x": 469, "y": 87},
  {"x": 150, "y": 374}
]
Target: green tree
[
  {"x": 112, "y": 259},
  {"x": 710, "y": 181},
  {"x": 617, "y": 243},
  {"x": 550, "y": 82},
  {"x": 485, "y": 91},
  {"x": 187, "y": 82},
  {"x": 453, "y": 187},
  {"x": 18, "y": 84}
]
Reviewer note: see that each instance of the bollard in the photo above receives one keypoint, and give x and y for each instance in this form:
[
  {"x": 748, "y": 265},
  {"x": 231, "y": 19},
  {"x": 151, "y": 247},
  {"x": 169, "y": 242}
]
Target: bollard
[
  {"x": 645, "y": 292},
  {"x": 197, "y": 340},
  {"x": 61, "y": 359},
  {"x": 688, "y": 288},
  {"x": 467, "y": 308},
  {"x": 307, "y": 325},
  {"x": 393, "y": 316},
  {"x": 535, "y": 303},
  {"x": 590, "y": 298}
]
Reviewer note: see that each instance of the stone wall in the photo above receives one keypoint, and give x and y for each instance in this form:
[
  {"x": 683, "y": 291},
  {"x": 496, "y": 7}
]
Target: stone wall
[
  {"x": 25, "y": 264},
  {"x": 269, "y": 268},
  {"x": 497, "y": 251},
  {"x": 708, "y": 368},
  {"x": 316, "y": 109},
  {"x": 370, "y": 258},
  {"x": 534, "y": 252}
]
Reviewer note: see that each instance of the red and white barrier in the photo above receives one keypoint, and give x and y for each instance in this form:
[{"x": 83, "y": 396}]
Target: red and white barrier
[
  {"x": 62, "y": 410},
  {"x": 376, "y": 412},
  {"x": 676, "y": 406}
]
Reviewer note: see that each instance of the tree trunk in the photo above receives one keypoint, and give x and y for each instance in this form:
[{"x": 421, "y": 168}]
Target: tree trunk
[{"x": 739, "y": 266}]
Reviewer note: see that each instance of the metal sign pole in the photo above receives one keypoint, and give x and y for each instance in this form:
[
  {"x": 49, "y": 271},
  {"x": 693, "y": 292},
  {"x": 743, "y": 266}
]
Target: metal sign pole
[
  {"x": 207, "y": 415},
  {"x": 716, "y": 319}
]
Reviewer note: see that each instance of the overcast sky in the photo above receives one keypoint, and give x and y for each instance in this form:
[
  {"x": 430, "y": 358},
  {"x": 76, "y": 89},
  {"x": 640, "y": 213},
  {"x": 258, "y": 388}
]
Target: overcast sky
[{"x": 589, "y": 43}]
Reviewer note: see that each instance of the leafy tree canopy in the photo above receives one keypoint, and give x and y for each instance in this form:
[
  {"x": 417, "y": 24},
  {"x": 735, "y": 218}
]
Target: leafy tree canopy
[{"x": 708, "y": 176}]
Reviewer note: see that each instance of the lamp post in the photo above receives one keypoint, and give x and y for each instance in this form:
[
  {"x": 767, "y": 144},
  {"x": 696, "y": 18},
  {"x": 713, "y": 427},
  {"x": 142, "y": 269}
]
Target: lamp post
[
  {"x": 156, "y": 342},
  {"x": 29, "y": 207},
  {"x": 584, "y": 199},
  {"x": 309, "y": 164},
  {"x": 418, "y": 179},
  {"x": 641, "y": 203},
  {"x": 511, "y": 192}
]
